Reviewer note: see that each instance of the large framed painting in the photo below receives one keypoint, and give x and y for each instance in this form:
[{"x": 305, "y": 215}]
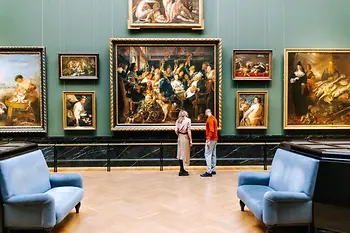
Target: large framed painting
[
  {"x": 79, "y": 110},
  {"x": 22, "y": 90},
  {"x": 78, "y": 66},
  {"x": 316, "y": 89},
  {"x": 251, "y": 110},
  {"x": 166, "y": 14},
  {"x": 252, "y": 65},
  {"x": 151, "y": 80}
]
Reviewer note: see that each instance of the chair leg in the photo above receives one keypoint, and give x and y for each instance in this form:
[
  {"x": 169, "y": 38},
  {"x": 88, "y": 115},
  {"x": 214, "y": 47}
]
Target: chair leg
[
  {"x": 77, "y": 207},
  {"x": 270, "y": 229},
  {"x": 242, "y": 205}
]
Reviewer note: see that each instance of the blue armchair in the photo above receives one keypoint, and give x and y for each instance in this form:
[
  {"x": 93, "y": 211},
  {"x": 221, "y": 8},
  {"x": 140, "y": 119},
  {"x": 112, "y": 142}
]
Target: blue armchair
[
  {"x": 284, "y": 195},
  {"x": 31, "y": 194}
]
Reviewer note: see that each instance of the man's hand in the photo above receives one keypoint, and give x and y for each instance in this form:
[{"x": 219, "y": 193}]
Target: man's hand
[
  {"x": 208, "y": 144},
  {"x": 191, "y": 143}
]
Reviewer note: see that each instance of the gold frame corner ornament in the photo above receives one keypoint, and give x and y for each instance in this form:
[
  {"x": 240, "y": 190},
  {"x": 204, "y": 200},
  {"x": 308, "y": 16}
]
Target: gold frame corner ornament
[{"x": 215, "y": 42}]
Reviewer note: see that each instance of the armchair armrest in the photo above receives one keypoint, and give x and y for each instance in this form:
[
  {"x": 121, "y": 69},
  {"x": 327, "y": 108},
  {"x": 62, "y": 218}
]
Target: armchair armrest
[
  {"x": 30, "y": 199},
  {"x": 286, "y": 197},
  {"x": 71, "y": 179},
  {"x": 253, "y": 178}
]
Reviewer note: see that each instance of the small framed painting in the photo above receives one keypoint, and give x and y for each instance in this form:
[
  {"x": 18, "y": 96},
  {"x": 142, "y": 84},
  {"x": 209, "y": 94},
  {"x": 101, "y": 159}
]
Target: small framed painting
[
  {"x": 78, "y": 66},
  {"x": 79, "y": 111},
  {"x": 252, "y": 65},
  {"x": 251, "y": 110}
]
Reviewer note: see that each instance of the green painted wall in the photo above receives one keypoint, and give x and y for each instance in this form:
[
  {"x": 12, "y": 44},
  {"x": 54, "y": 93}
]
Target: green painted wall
[{"x": 85, "y": 26}]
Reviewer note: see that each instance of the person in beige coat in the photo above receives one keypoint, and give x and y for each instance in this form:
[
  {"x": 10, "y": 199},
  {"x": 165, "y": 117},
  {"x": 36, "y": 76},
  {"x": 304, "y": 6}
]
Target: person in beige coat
[{"x": 184, "y": 141}]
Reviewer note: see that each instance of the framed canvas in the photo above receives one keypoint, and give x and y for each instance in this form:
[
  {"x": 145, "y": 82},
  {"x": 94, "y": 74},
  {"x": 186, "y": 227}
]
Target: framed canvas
[
  {"x": 316, "y": 89},
  {"x": 79, "y": 110},
  {"x": 22, "y": 90},
  {"x": 166, "y": 14},
  {"x": 78, "y": 66},
  {"x": 151, "y": 80},
  {"x": 252, "y": 65},
  {"x": 252, "y": 110}
]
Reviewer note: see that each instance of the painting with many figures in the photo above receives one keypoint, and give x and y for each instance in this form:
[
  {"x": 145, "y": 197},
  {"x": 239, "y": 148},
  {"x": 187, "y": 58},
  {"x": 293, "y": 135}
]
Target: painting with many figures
[
  {"x": 166, "y": 14},
  {"x": 251, "y": 110},
  {"x": 252, "y": 64},
  {"x": 154, "y": 79},
  {"x": 78, "y": 66},
  {"x": 317, "y": 87},
  {"x": 79, "y": 111},
  {"x": 22, "y": 89}
]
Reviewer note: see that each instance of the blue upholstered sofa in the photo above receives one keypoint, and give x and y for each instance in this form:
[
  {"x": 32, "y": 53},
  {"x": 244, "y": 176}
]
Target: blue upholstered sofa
[
  {"x": 32, "y": 197},
  {"x": 284, "y": 195}
]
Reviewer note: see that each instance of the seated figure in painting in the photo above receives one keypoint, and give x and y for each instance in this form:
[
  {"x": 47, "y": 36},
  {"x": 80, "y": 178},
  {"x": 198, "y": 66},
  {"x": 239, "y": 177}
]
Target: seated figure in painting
[
  {"x": 20, "y": 91},
  {"x": 330, "y": 73},
  {"x": 180, "y": 12},
  {"x": 143, "y": 11},
  {"x": 254, "y": 116}
]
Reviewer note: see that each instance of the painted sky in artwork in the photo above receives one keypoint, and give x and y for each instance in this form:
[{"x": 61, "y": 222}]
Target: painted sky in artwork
[{"x": 28, "y": 65}]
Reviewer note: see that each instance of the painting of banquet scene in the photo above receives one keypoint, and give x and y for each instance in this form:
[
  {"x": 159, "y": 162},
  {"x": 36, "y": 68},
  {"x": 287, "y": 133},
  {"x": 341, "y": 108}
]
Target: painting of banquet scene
[
  {"x": 20, "y": 90},
  {"x": 317, "y": 89},
  {"x": 155, "y": 82}
]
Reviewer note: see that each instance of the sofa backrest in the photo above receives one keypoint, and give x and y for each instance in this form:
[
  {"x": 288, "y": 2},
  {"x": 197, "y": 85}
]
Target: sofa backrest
[
  {"x": 293, "y": 172},
  {"x": 24, "y": 174}
]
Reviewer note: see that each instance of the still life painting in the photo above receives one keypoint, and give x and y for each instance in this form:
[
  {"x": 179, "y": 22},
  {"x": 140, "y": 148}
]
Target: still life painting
[
  {"x": 252, "y": 64},
  {"x": 166, "y": 14},
  {"x": 79, "y": 111},
  {"x": 317, "y": 87},
  {"x": 251, "y": 110},
  {"x": 22, "y": 89},
  {"x": 78, "y": 66},
  {"x": 154, "y": 79}
]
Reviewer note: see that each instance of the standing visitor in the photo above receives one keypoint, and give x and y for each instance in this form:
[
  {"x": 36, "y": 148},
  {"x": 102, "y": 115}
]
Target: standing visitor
[{"x": 184, "y": 141}]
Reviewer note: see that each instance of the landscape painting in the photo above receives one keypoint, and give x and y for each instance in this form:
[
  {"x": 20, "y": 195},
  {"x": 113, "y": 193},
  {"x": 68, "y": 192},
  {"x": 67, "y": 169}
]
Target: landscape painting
[
  {"x": 22, "y": 89},
  {"x": 156, "y": 78},
  {"x": 317, "y": 88},
  {"x": 251, "y": 110},
  {"x": 166, "y": 14},
  {"x": 78, "y": 66}
]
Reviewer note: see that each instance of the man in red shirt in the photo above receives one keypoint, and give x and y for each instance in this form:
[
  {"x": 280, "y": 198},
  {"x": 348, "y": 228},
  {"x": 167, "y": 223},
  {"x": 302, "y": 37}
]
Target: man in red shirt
[{"x": 210, "y": 144}]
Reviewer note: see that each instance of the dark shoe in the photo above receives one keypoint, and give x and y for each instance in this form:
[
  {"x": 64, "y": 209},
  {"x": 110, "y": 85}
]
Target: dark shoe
[
  {"x": 213, "y": 173},
  {"x": 183, "y": 174},
  {"x": 184, "y": 171},
  {"x": 206, "y": 174}
]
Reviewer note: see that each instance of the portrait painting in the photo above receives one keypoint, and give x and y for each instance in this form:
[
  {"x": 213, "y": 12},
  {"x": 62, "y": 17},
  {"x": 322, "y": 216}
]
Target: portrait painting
[
  {"x": 153, "y": 79},
  {"x": 79, "y": 111},
  {"x": 316, "y": 87},
  {"x": 252, "y": 65},
  {"x": 251, "y": 110},
  {"x": 78, "y": 66},
  {"x": 166, "y": 14},
  {"x": 22, "y": 89}
]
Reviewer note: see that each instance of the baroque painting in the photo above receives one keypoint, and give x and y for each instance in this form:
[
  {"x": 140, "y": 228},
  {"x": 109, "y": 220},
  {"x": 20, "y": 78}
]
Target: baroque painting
[
  {"x": 22, "y": 89},
  {"x": 251, "y": 110},
  {"x": 316, "y": 87},
  {"x": 78, "y": 66},
  {"x": 153, "y": 79},
  {"x": 166, "y": 14},
  {"x": 79, "y": 111},
  {"x": 252, "y": 64}
]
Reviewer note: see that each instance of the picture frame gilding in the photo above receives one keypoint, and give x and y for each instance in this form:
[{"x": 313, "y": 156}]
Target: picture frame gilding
[
  {"x": 73, "y": 66},
  {"x": 156, "y": 109}
]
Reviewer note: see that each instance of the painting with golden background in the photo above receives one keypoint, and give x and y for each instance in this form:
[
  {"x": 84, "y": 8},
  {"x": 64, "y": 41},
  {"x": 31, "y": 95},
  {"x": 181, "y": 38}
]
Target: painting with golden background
[
  {"x": 22, "y": 89},
  {"x": 78, "y": 66},
  {"x": 317, "y": 86}
]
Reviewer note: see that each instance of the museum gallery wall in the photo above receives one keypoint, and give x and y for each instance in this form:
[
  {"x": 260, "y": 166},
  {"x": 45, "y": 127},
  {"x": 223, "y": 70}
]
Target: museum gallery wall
[{"x": 263, "y": 86}]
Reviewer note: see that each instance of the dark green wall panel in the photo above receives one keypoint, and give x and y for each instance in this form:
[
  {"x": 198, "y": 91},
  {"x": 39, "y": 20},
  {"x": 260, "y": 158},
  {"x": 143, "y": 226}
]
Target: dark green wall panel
[{"x": 85, "y": 26}]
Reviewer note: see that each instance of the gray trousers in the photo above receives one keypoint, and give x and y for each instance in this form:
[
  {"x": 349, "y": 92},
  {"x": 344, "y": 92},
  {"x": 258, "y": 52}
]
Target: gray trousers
[{"x": 210, "y": 156}]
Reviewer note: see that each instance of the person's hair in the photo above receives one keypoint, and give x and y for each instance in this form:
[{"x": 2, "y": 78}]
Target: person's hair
[
  {"x": 182, "y": 115},
  {"x": 258, "y": 98},
  {"x": 208, "y": 110},
  {"x": 18, "y": 77}
]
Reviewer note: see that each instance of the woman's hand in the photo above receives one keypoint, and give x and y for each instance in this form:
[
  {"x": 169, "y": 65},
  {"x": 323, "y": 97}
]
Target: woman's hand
[{"x": 191, "y": 143}]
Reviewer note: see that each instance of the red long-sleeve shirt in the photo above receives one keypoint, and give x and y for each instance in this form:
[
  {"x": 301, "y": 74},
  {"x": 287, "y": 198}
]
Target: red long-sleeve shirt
[{"x": 211, "y": 129}]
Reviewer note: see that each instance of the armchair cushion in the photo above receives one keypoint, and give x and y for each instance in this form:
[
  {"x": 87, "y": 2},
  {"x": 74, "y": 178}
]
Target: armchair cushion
[
  {"x": 253, "y": 197},
  {"x": 71, "y": 179},
  {"x": 253, "y": 178},
  {"x": 65, "y": 198}
]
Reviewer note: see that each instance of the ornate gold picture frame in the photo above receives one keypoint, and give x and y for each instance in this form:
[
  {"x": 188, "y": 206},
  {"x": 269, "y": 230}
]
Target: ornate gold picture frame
[
  {"x": 78, "y": 66},
  {"x": 316, "y": 89},
  {"x": 151, "y": 80},
  {"x": 79, "y": 110},
  {"x": 166, "y": 14},
  {"x": 23, "y": 90},
  {"x": 252, "y": 110}
]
